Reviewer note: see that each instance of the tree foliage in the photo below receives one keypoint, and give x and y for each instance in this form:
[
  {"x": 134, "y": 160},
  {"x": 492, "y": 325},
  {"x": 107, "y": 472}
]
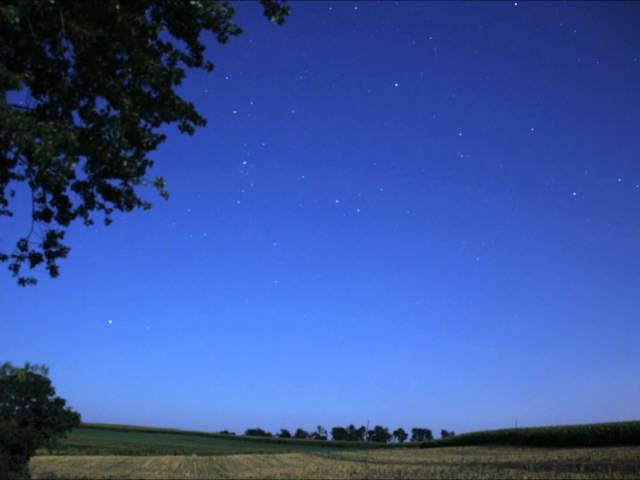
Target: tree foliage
[
  {"x": 320, "y": 433},
  {"x": 379, "y": 434},
  {"x": 257, "y": 432},
  {"x": 400, "y": 435},
  {"x": 101, "y": 79},
  {"x": 31, "y": 415},
  {"x": 340, "y": 434},
  {"x": 356, "y": 434},
  {"x": 421, "y": 434}
]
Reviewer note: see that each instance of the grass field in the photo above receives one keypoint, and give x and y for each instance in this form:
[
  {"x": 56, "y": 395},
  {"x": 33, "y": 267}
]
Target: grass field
[
  {"x": 100, "y": 439},
  {"x": 446, "y": 463},
  {"x": 90, "y": 440}
]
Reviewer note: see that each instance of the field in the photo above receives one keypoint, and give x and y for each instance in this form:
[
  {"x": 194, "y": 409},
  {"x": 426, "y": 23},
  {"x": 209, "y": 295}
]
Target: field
[
  {"x": 447, "y": 463},
  {"x": 114, "y": 451},
  {"x": 103, "y": 439},
  {"x": 141, "y": 441},
  {"x": 590, "y": 435}
]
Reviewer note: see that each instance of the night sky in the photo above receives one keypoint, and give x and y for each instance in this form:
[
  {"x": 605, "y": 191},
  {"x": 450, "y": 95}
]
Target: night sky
[{"x": 412, "y": 214}]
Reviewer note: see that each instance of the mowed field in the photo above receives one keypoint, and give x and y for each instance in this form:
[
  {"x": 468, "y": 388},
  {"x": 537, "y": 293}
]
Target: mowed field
[
  {"x": 446, "y": 463},
  {"x": 112, "y": 451}
]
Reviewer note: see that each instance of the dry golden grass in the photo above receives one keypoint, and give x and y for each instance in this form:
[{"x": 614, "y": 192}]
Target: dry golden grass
[{"x": 446, "y": 463}]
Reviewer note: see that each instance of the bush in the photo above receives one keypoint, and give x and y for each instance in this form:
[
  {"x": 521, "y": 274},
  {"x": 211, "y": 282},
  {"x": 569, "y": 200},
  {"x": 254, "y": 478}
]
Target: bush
[{"x": 256, "y": 432}]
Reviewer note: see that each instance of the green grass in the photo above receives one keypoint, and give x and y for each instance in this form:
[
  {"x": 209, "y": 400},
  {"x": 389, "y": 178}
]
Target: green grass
[
  {"x": 589, "y": 435},
  {"x": 103, "y": 439}
]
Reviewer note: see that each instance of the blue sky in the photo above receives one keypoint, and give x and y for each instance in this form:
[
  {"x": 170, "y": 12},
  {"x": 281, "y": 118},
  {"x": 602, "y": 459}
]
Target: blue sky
[{"x": 412, "y": 214}]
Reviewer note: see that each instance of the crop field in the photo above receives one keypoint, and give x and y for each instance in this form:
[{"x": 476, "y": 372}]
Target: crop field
[
  {"x": 589, "y": 435},
  {"x": 447, "y": 463},
  {"x": 142, "y": 441},
  {"x": 96, "y": 451}
]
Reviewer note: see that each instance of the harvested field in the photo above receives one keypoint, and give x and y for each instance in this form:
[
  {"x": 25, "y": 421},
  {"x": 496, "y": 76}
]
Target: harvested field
[{"x": 448, "y": 463}]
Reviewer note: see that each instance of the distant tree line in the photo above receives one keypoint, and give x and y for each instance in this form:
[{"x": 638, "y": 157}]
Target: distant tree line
[{"x": 351, "y": 433}]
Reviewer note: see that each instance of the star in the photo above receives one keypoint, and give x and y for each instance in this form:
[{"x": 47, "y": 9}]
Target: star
[
  {"x": 396, "y": 84},
  {"x": 110, "y": 322}
]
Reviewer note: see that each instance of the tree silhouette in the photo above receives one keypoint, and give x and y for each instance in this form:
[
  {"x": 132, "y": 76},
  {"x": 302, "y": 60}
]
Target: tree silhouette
[
  {"x": 356, "y": 434},
  {"x": 257, "y": 432},
  {"x": 421, "y": 434},
  {"x": 339, "y": 434},
  {"x": 102, "y": 79},
  {"x": 320, "y": 433},
  {"x": 400, "y": 435},
  {"x": 379, "y": 434},
  {"x": 31, "y": 416}
]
